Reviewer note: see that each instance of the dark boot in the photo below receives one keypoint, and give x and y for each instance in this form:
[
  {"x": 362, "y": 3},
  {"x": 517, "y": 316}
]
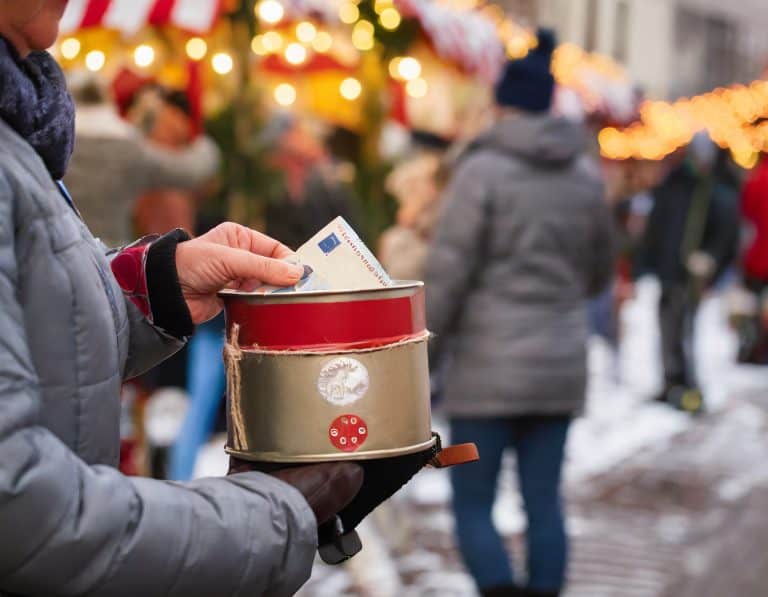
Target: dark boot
[
  {"x": 686, "y": 399},
  {"x": 534, "y": 593},
  {"x": 504, "y": 591}
]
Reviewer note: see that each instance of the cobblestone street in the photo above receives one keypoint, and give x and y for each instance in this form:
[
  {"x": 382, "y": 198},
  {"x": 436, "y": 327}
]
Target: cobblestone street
[{"x": 682, "y": 519}]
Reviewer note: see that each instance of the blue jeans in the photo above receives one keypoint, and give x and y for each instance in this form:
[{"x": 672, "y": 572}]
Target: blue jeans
[
  {"x": 205, "y": 385},
  {"x": 539, "y": 443}
]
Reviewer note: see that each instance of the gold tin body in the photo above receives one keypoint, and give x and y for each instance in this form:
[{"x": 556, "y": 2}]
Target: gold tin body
[{"x": 335, "y": 389}]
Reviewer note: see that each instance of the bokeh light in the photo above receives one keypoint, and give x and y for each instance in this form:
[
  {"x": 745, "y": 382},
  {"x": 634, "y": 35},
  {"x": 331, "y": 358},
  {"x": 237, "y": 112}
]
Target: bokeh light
[
  {"x": 362, "y": 35},
  {"x": 285, "y": 94},
  {"x": 417, "y": 88},
  {"x": 258, "y": 47},
  {"x": 70, "y": 48},
  {"x": 306, "y": 32},
  {"x": 273, "y": 41},
  {"x": 271, "y": 11},
  {"x": 350, "y": 88},
  {"x": 727, "y": 115},
  {"x": 349, "y": 13},
  {"x": 197, "y": 48},
  {"x": 517, "y": 47},
  {"x": 222, "y": 63},
  {"x": 144, "y": 55},
  {"x": 322, "y": 42},
  {"x": 95, "y": 60},
  {"x": 409, "y": 68},
  {"x": 394, "y": 67},
  {"x": 390, "y": 18},
  {"x": 295, "y": 54}
]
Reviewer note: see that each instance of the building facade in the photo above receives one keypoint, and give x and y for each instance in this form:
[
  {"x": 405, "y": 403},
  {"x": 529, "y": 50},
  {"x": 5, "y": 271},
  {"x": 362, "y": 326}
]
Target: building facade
[{"x": 672, "y": 48}]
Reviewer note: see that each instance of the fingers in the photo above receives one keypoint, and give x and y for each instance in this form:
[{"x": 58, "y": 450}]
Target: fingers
[
  {"x": 283, "y": 252},
  {"x": 328, "y": 487},
  {"x": 261, "y": 244},
  {"x": 245, "y": 285},
  {"x": 242, "y": 237},
  {"x": 246, "y": 267}
]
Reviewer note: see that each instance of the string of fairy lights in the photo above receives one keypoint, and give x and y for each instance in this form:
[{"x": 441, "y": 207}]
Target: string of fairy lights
[
  {"x": 728, "y": 115},
  {"x": 731, "y": 117}
]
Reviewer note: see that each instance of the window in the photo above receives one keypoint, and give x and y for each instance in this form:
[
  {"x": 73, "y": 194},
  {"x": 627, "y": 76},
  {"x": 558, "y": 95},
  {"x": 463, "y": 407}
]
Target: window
[
  {"x": 706, "y": 52},
  {"x": 524, "y": 11},
  {"x": 593, "y": 25},
  {"x": 621, "y": 31}
]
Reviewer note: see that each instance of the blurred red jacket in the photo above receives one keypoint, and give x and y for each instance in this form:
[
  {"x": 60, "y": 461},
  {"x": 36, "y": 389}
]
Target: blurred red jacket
[{"x": 754, "y": 206}]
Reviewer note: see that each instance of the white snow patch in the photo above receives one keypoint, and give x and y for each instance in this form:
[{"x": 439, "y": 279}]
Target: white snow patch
[
  {"x": 440, "y": 583},
  {"x": 431, "y": 487},
  {"x": 419, "y": 560},
  {"x": 212, "y": 460}
]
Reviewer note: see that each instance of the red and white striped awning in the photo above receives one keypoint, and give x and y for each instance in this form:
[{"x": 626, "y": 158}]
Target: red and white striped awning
[
  {"x": 462, "y": 36},
  {"x": 129, "y": 16},
  {"x": 323, "y": 10}
]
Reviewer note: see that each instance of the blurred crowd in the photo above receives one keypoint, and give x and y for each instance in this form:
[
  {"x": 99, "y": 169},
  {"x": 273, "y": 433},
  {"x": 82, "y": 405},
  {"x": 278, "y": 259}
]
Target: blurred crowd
[{"x": 529, "y": 245}]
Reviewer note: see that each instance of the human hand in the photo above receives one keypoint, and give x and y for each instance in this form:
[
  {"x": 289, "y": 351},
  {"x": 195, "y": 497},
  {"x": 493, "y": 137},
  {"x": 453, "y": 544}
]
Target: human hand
[
  {"x": 328, "y": 487},
  {"x": 230, "y": 256}
]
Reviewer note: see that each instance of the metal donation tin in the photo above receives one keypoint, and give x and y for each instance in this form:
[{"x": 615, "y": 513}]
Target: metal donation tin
[{"x": 327, "y": 375}]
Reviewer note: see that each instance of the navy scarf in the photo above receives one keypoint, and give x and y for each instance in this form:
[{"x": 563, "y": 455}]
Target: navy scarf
[{"x": 34, "y": 101}]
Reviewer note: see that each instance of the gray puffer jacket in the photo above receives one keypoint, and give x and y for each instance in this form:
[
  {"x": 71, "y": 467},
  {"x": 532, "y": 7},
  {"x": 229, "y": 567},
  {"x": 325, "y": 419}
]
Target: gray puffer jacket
[
  {"x": 525, "y": 236},
  {"x": 70, "y": 523}
]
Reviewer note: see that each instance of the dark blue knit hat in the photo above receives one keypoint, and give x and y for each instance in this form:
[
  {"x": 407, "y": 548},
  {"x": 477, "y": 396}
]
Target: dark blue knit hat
[{"x": 528, "y": 83}]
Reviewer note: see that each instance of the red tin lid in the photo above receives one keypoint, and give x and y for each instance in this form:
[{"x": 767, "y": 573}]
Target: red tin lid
[{"x": 325, "y": 321}]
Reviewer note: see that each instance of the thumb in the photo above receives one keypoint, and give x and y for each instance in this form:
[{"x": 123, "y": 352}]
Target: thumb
[{"x": 246, "y": 266}]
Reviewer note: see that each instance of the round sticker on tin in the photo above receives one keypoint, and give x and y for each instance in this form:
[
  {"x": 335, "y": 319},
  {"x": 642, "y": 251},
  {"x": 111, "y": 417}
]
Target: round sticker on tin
[
  {"x": 348, "y": 432},
  {"x": 343, "y": 381}
]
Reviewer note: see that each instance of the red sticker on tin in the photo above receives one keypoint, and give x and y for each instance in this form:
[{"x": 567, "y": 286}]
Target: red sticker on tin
[{"x": 348, "y": 433}]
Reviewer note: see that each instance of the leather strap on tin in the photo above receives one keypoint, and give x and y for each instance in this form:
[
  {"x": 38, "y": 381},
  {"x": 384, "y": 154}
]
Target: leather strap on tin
[
  {"x": 455, "y": 455},
  {"x": 232, "y": 357}
]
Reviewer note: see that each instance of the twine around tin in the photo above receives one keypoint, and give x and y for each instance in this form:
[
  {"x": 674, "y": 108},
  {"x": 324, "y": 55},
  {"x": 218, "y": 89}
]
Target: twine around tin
[{"x": 233, "y": 356}]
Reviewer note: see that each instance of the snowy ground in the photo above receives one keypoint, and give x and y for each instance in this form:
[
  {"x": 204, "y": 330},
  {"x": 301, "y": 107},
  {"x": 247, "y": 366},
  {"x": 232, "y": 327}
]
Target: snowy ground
[{"x": 418, "y": 556}]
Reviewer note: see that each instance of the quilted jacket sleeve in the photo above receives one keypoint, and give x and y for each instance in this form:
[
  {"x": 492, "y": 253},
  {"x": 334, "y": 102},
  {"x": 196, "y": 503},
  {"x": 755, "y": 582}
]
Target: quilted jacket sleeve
[
  {"x": 158, "y": 318},
  {"x": 68, "y": 529}
]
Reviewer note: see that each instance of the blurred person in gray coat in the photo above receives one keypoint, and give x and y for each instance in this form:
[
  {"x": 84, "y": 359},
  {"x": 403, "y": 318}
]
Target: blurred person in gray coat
[
  {"x": 523, "y": 240},
  {"x": 75, "y": 321},
  {"x": 114, "y": 163}
]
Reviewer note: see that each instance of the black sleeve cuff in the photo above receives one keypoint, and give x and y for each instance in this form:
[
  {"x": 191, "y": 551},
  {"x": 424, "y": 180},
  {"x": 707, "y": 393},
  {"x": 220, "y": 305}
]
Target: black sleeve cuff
[{"x": 169, "y": 309}]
